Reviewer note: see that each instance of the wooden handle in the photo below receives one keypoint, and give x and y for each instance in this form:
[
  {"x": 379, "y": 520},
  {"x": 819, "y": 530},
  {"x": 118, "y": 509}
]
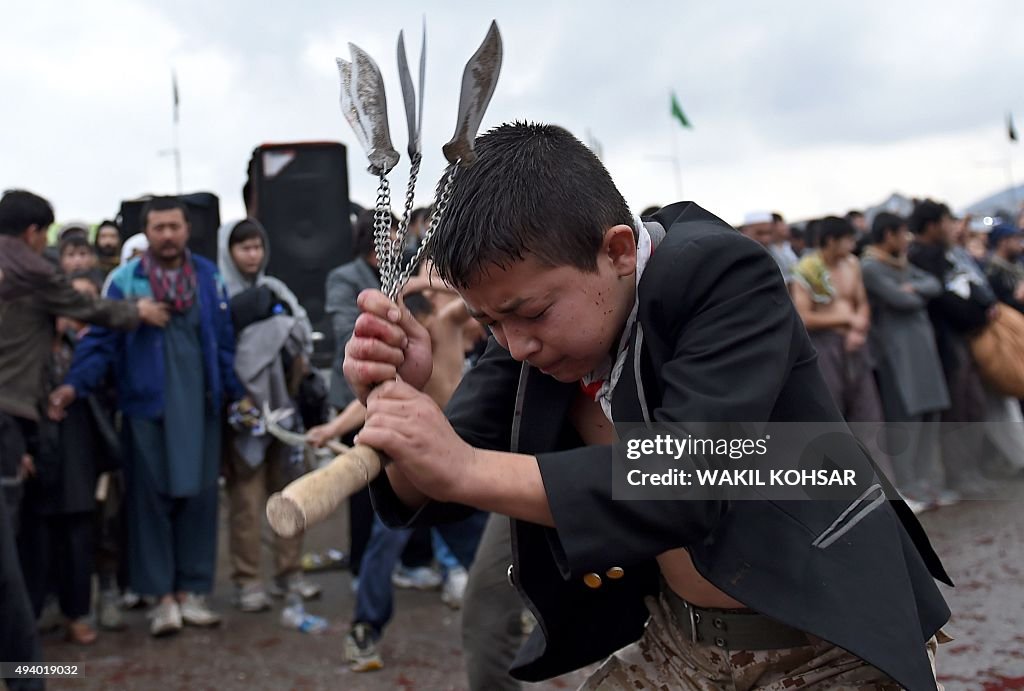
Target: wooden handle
[{"x": 315, "y": 496}]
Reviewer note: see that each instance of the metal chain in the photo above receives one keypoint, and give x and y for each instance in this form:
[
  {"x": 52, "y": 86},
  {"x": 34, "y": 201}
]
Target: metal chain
[
  {"x": 382, "y": 234},
  {"x": 440, "y": 205},
  {"x": 399, "y": 277}
]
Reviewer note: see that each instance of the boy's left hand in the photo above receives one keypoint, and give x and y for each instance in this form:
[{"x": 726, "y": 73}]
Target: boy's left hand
[{"x": 409, "y": 427}]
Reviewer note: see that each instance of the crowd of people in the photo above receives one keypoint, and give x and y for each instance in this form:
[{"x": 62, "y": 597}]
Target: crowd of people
[
  {"x": 891, "y": 309},
  {"x": 133, "y": 374}
]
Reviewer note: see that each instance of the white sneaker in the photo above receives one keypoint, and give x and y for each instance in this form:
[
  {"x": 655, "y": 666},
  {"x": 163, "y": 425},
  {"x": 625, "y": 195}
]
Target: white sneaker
[
  {"x": 454, "y": 587},
  {"x": 251, "y": 598},
  {"x": 295, "y": 583},
  {"x": 166, "y": 618},
  {"x": 420, "y": 578},
  {"x": 195, "y": 612}
]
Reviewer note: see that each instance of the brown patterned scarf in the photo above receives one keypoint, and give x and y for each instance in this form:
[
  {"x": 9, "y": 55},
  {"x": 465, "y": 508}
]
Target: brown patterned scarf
[{"x": 177, "y": 288}]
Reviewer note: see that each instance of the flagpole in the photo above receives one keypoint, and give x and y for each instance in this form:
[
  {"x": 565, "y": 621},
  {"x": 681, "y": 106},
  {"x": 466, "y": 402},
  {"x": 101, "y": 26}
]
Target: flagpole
[
  {"x": 1010, "y": 141},
  {"x": 177, "y": 148}
]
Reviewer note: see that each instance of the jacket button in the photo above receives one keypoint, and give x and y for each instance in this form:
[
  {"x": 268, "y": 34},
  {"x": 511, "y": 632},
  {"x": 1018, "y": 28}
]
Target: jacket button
[
  {"x": 511, "y": 575},
  {"x": 592, "y": 580},
  {"x": 615, "y": 573}
]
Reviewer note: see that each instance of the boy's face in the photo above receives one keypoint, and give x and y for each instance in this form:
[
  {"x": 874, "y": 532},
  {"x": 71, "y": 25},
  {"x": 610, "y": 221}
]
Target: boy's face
[
  {"x": 561, "y": 320},
  {"x": 77, "y": 259},
  {"x": 248, "y": 255}
]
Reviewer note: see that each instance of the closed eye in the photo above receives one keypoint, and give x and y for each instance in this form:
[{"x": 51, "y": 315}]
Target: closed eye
[{"x": 538, "y": 316}]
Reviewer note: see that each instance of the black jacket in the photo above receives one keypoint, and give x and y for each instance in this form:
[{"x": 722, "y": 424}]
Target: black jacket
[
  {"x": 722, "y": 342},
  {"x": 952, "y": 315}
]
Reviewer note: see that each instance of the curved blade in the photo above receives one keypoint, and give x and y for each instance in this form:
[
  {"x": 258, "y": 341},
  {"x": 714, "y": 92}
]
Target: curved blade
[
  {"x": 273, "y": 419},
  {"x": 348, "y": 106},
  {"x": 478, "y": 82},
  {"x": 409, "y": 96},
  {"x": 372, "y": 111},
  {"x": 423, "y": 71}
]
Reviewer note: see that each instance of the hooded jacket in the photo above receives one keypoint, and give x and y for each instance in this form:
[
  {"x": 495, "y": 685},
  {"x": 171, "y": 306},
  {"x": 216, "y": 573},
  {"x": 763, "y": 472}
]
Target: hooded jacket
[
  {"x": 258, "y": 363},
  {"x": 235, "y": 282}
]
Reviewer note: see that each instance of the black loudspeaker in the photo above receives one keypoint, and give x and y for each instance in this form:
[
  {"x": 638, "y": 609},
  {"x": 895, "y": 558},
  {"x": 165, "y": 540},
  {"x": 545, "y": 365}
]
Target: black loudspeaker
[
  {"x": 203, "y": 214},
  {"x": 299, "y": 192}
]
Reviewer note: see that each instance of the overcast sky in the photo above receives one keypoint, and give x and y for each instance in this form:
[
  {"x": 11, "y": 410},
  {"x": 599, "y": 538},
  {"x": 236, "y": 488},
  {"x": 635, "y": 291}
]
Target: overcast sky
[{"x": 804, "y": 107}]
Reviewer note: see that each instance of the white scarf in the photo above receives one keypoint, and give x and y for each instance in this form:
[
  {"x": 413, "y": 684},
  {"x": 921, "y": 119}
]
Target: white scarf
[{"x": 608, "y": 373}]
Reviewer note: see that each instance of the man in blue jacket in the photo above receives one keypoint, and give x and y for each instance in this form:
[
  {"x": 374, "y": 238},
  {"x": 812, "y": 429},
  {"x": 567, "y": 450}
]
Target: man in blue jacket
[{"x": 172, "y": 385}]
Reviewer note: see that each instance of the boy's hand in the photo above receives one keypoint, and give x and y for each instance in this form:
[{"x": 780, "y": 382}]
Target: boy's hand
[
  {"x": 408, "y": 426},
  {"x": 61, "y": 397},
  {"x": 387, "y": 342},
  {"x": 855, "y": 340},
  {"x": 319, "y": 435},
  {"x": 153, "y": 313},
  {"x": 28, "y": 467}
]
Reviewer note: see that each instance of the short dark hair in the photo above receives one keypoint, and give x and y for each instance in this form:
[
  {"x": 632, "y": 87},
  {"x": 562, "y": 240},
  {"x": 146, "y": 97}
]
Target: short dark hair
[
  {"x": 777, "y": 217},
  {"x": 926, "y": 212},
  {"x": 94, "y": 276},
  {"x": 20, "y": 209},
  {"x": 852, "y": 214},
  {"x": 534, "y": 190},
  {"x": 362, "y": 233},
  {"x": 72, "y": 241},
  {"x": 107, "y": 222},
  {"x": 884, "y": 224},
  {"x": 245, "y": 230},
  {"x": 161, "y": 204},
  {"x": 833, "y": 227}
]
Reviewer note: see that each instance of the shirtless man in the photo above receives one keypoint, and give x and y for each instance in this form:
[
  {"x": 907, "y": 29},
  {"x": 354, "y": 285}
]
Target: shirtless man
[
  {"x": 829, "y": 295},
  {"x": 703, "y": 593}
]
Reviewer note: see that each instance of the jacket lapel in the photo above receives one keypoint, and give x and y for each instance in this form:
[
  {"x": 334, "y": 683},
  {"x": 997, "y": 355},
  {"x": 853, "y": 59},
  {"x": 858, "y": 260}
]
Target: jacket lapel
[{"x": 545, "y": 399}]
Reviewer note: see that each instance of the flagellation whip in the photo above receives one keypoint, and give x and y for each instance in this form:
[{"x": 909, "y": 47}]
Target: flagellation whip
[{"x": 316, "y": 495}]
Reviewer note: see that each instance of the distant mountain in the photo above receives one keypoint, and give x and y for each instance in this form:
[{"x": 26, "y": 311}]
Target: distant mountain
[
  {"x": 1002, "y": 203},
  {"x": 897, "y": 203}
]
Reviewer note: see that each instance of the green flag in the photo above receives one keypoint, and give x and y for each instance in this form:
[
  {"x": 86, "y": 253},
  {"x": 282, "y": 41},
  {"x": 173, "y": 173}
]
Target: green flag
[{"x": 677, "y": 112}]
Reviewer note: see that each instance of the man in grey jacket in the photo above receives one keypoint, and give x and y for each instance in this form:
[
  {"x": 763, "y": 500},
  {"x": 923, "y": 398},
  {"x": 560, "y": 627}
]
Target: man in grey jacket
[
  {"x": 32, "y": 294},
  {"x": 343, "y": 287},
  {"x": 911, "y": 384}
]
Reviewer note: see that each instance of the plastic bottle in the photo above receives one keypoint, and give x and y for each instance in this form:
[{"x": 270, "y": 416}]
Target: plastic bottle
[
  {"x": 294, "y": 611},
  {"x": 295, "y": 616}
]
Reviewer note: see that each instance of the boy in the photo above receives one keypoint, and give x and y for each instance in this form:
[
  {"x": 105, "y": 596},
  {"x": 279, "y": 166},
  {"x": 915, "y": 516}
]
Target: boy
[
  {"x": 272, "y": 351},
  {"x": 545, "y": 252},
  {"x": 76, "y": 254}
]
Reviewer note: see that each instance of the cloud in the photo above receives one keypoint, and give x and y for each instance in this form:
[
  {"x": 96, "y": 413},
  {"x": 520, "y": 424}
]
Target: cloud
[{"x": 803, "y": 107}]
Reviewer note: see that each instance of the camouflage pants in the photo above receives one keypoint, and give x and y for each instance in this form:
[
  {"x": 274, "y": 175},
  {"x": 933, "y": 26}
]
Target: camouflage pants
[{"x": 664, "y": 658}]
